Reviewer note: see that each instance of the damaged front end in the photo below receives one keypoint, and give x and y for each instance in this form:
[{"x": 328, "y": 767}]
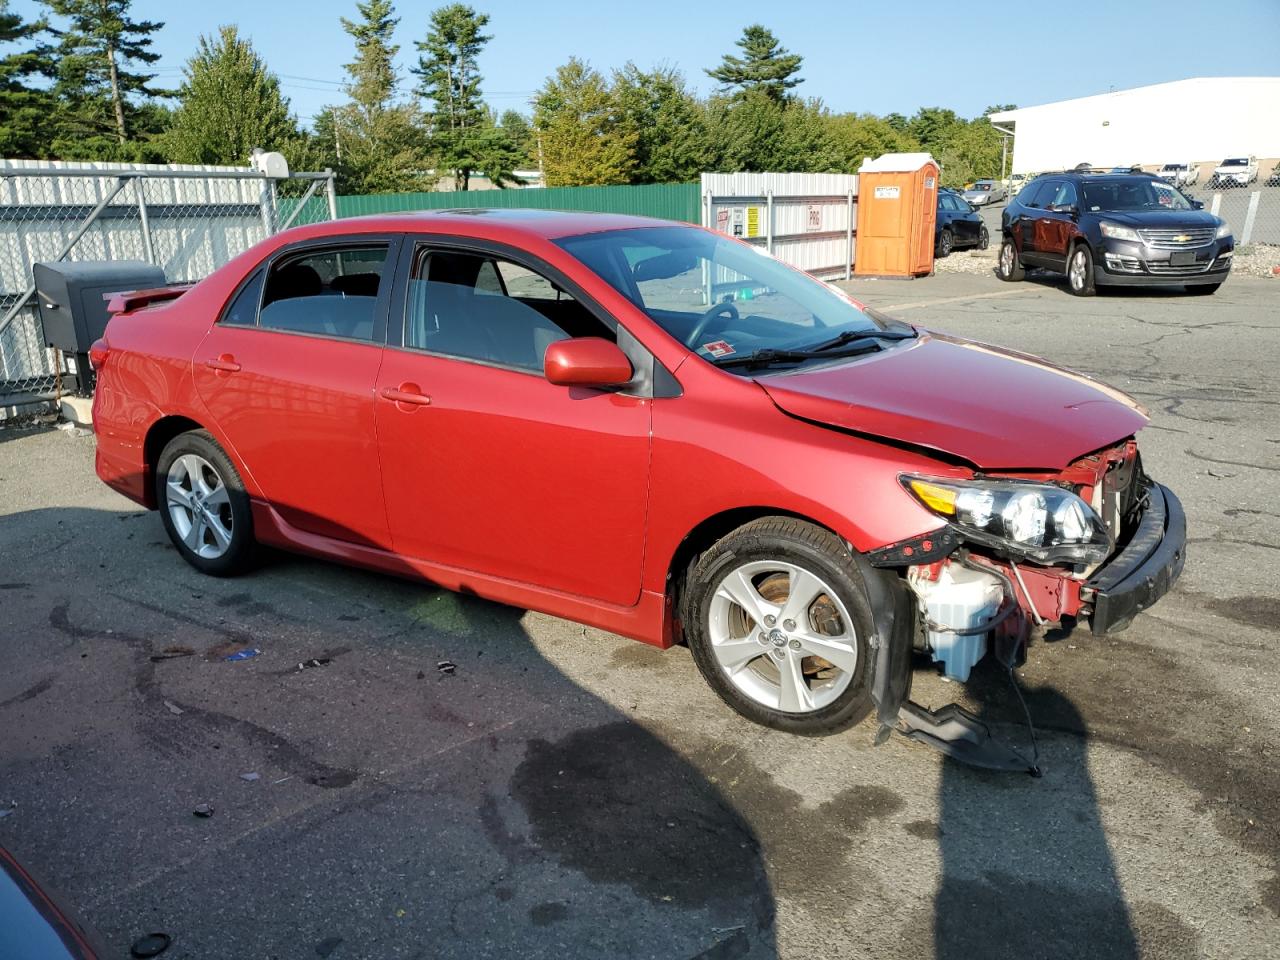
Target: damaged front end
[{"x": 1097, "y": 541}]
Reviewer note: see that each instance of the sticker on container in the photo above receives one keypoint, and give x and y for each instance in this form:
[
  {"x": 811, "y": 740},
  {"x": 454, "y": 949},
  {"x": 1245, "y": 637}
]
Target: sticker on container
[
  {"x": 722, "y": 219},
  {"x": 753, "y": 221},
  {"x": 928, "y": 183},
  {"x": 718, "y": 348},
  {"x": 887, "y": 193}
]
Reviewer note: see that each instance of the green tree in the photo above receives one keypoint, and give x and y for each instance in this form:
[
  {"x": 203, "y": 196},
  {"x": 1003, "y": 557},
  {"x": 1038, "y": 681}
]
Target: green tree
[
  {"x": 757, "y": 133},
  {"x": 669, "y": 123},
  {"x": 934, "y": 127},
  {"x": 378, "y": 145},
  {"x": 520, "y": 132},
  {"x": 98, "y": 89},
  {"x": 585, "y": 138},
  {"x": 229, "y": 103},
  {"x": 858, "y": 136},
  {"x": 449, "y": 79},
  {"x": 765, "y": 65},
  {"x": 24, "y": 109}
]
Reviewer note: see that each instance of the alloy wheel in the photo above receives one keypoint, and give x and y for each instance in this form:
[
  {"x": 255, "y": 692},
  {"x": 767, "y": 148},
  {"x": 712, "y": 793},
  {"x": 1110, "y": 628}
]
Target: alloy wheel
[
  {"x": 1006, "y": 259},
  {"x": 782, "y": 636},
  {"x": 199, "y": 506},
  {"x": 1078, "y": 269}
]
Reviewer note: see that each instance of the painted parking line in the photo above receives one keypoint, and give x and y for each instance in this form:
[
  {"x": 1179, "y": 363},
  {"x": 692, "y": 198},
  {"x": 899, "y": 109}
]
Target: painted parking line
[{"x": 911, "y": 305}]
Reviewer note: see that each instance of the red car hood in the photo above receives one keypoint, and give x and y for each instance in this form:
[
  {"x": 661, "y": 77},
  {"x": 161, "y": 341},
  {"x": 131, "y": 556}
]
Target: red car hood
[{"x": 995, "y": 408}]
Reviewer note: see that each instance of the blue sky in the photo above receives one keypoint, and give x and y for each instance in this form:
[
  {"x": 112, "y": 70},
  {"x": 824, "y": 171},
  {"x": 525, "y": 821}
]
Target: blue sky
[{"x": 877, "y": 57}]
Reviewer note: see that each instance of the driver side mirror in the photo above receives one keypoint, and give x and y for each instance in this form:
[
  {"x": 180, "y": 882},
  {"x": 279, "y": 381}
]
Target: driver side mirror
[
  {"x": 1197, "y": 204},
  {"x": 1065, "y": 208},
  {"x": 586, "y": 362}
]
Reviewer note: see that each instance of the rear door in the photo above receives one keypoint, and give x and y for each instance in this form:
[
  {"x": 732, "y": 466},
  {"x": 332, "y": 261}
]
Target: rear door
[
  {"x": 964, "y": 222},
  {"x": 1032, "y": 220},
  {"x": 487, "y": 466},
  {"x": 287, "y": 374}
]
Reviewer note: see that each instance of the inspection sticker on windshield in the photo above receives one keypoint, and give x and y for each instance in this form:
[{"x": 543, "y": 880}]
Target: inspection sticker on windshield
[{"x": 718, "y": 348}]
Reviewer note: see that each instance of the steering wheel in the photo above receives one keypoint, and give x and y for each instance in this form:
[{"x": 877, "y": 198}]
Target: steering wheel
[{"x": 699, "y": 328}]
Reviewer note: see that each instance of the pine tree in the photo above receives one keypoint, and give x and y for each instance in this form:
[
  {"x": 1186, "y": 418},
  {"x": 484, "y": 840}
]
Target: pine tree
[
  {"x": 96, "y": 87},
  {"x": 377, "y": 140},
  {"x": 24, "y": 110},
  {"x": 450, "y": 82},
  {"x": 230, "y": 103},
  {"x": 765, "y": 66},
  {"x": 585, "y": 139}
]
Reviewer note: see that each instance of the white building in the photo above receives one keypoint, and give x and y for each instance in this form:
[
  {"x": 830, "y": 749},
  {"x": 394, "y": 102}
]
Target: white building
[{"x": 1202, "y": 120}]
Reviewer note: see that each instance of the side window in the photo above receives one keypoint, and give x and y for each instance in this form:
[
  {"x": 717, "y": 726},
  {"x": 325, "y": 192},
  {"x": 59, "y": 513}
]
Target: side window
[
  {"x": 243, "y": 310},
  {"x": 523, "y": 283},
  {"x": 328, "y": 292},
  {"x": 477, "y": 307},
  {"x": 1027, "y": 194},
  {"x": 1065, "y": 195},
  {"x": 1045, "y": 191}
]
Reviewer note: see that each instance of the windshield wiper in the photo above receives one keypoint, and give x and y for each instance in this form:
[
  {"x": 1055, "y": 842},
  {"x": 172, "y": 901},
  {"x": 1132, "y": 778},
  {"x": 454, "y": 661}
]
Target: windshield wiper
[
  {"x": 768, "y": 355},
  {"x": 849, "y": 336}
]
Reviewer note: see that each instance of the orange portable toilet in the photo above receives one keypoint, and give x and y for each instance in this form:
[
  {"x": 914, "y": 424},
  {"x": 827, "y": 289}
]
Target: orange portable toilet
[{"x": 897, "y": 208}]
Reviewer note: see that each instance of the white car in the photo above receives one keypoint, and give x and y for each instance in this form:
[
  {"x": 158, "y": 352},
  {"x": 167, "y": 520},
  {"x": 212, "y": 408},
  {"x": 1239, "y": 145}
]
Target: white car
[
  {"x": 1180, "y": 174},
  {"x": 1235, "y": 172}
]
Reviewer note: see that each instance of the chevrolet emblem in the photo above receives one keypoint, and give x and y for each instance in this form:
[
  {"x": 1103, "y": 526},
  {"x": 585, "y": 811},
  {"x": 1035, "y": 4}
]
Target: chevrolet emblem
[{"x": 1182, "y": 237}]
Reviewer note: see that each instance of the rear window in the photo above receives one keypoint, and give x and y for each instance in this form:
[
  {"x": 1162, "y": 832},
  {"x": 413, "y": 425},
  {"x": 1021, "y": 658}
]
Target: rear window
[
  {"x": 1236, "y": 162},
  {"x": 325, "y": 292}
]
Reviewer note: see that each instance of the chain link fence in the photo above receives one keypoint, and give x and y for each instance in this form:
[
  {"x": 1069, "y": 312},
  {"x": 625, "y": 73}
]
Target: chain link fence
[
  {"x": 1249, "y": 200},
  {"x": 187, "y": 220}
]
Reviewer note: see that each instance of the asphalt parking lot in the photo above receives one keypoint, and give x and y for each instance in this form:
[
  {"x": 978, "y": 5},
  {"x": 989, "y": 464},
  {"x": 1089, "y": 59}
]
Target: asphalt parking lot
[{"x": 562, "y": 792}]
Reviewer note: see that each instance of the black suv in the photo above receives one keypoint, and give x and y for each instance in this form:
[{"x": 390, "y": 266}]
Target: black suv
[{"x": 1108, "y": 228}]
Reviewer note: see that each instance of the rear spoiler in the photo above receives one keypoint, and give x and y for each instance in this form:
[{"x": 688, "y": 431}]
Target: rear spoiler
[{"x": 126, "y": 300}]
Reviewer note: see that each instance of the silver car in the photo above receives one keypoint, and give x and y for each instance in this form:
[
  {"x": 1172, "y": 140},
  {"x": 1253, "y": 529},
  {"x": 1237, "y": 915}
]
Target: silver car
[{"x": 986, "y": 191}]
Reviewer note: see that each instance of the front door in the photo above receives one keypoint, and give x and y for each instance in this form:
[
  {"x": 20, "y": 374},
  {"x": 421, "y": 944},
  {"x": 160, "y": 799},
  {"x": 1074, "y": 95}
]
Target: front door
[
  {"x": 287, "y": 374},
  {"x": 487, "y": 467}
]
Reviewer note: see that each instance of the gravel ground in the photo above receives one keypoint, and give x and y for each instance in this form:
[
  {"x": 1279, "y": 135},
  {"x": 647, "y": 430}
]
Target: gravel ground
[{"x": 566, "y": 793}]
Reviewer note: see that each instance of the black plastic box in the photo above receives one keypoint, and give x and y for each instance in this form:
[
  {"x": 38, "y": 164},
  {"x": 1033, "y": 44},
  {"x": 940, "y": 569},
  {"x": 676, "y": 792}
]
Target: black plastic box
[{"x": 70, "y": 297}]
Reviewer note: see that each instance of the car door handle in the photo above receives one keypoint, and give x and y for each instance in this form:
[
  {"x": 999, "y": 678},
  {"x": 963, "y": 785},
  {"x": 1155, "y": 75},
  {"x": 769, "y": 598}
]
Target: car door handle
[
  {"x": 225, "y": 363},
  {"x": 406, "y": 393}
]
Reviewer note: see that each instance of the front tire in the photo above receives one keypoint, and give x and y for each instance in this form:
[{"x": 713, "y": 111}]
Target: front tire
[
  {"x": 984, "y": 239},
  {"x": 203, "y": 505},
  {"x": 1080, "y": 271},
  {"x": 1008, "y": 267},
  {"x": 777, "y": 619}
]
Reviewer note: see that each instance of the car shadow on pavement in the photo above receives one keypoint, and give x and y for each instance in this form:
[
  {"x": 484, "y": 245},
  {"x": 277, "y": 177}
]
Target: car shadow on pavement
[
  {"x": 1026, "y": 868},
  {"x": 425, "y": 782}
]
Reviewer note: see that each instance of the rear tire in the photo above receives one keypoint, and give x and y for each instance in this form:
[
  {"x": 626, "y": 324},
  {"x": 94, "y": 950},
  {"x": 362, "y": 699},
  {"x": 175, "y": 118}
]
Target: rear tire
[
  {"x": 1080, "y": 271},
  {"x": 946, "y": 243},
  {"x": 204, "y": 506},
  {"x": 984, "y": 239},
  {"x": 1008, "y": 267},
  {"x": 778, "y": 620},
  {"x": 1203, "y": 289}
]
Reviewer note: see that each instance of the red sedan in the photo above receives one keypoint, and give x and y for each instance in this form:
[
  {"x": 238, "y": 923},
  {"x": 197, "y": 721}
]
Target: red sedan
[{"x": 643, "y": 426}]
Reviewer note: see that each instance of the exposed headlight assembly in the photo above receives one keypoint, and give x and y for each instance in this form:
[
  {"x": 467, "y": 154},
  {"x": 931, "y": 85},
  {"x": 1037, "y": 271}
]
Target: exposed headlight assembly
[
  {"x": 1223, "y": 231},
  {"x": 1036, "y": 521},
  {"x": 1118, "y": 231}
]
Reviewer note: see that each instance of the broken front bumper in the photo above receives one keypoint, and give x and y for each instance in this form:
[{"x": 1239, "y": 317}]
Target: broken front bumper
[{"x": 1145, "y": 569}]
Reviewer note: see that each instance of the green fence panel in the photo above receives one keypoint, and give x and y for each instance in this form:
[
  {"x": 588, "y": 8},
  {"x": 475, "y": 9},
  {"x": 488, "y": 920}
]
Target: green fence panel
[{"x": 675, "y": 201}]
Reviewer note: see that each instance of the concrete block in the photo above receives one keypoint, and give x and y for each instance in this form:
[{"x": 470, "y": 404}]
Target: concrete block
[{"x": 77, "y": 410}]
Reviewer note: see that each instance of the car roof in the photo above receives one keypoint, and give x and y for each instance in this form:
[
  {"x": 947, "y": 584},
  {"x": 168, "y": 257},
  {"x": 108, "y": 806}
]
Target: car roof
[{"x": 509, "y": 221}]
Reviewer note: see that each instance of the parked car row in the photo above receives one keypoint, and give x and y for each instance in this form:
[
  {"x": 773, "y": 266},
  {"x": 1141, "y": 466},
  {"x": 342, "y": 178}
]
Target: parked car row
[{"x": 1231, "y": 172}]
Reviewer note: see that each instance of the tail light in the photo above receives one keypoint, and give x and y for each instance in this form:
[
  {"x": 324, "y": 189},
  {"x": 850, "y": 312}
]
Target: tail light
[{"x": 98, "y": 354}]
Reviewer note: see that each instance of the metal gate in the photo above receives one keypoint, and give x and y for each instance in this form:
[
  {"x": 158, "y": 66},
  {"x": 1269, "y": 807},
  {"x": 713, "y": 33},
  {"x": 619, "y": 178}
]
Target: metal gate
[
  {"x": 189, "y": 220},
  {"x": 807, "y": 220}
]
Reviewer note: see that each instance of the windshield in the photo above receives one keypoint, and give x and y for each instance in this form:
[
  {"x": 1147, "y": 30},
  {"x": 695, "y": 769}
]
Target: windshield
[
  {"x": 719, "y": 296},
  {"x": 1133, "y": 194},
  {"x": 981, "y": 186},
  {"x": 1173, "y": 167},
  {"x": 1237, "y": 162}
]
